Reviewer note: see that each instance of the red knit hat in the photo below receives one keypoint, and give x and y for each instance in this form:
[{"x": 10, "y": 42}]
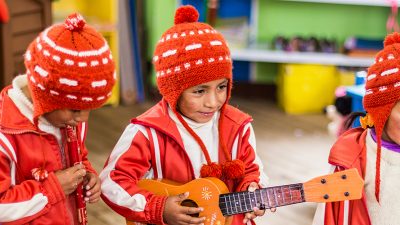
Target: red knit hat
[
  {"x": 188, "y": 54},
  {"x": 383, "y": 91},
  {"x": 69, "y": 66}
]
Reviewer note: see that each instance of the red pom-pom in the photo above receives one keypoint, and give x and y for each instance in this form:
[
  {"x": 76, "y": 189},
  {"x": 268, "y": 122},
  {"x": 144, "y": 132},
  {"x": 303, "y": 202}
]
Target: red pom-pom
[
  {"x": 74, "y": 22},
  {"x": 211, "y": 170},
  {"x": 392, "y": 39},
  {"x": 186, "y": 14},
  {"x": 233, "y": 169}
]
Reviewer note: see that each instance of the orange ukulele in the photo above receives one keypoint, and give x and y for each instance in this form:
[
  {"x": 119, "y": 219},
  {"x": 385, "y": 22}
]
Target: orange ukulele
[{"x": 212, "y": 194}]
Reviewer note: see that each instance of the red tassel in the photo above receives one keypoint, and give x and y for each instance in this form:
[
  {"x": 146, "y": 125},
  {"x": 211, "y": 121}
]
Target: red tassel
[
  {"x": 233, "y": 169},
  {"x": 211, "y": 170}
]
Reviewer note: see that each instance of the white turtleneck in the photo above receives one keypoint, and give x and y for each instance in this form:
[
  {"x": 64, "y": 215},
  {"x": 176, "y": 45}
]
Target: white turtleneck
[
  {"x": 386, "y": 212},
  {"x": 208, "y": 132},
  {"x": 25, "y": 106}
]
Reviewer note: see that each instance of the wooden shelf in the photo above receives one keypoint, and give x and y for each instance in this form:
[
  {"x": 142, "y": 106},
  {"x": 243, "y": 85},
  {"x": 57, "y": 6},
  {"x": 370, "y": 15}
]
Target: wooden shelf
[
  {"x": 256, "y": 55},
  {"x": 350, "y": 2}
]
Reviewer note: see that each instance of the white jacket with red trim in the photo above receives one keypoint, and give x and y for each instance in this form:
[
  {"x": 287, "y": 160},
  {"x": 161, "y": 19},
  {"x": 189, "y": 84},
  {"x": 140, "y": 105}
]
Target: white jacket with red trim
[
  {"x": 23, "y": 147},
  {"x": 152, "y": 147}
]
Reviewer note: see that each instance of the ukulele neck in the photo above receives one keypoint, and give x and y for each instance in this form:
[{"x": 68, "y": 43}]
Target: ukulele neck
[{"x": 265, "y": 198}]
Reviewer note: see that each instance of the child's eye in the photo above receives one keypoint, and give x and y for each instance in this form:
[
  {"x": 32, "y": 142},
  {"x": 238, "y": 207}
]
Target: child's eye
[
  {"x": 200, "y": 91},
  {"x": 222, "y": 87}
]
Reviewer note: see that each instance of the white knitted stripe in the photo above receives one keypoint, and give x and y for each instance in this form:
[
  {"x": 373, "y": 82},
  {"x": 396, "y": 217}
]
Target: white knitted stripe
[
  {"x": 41, "y": 87},
  {"x": 68, "y": 82},
  {"x": 169, "y": 53},
  {"x": 214, "y": 43},
  {"x": 28, "y": 56},
  {"x": 82, "y": 64},
  {"x": 97, "y": 52},
  {"x": 192, "y": 47},
  {"x": 100, "y": 98},
  {"x": 390, "y": 56},
  {"x": 41, "y": 71},
  {"x": 94, "y": 63},
  {"x": 54, "y": 92},
  {"x": 56, "y": 58},
  {"x": 371, "y": 76},
  {"x": 32, "y": 79},
  {"x": 187, "y": 65},
  {"x": 390, "y": 71},
  {"x": 88, "y": 99},
  {"x": 382, "y": 88},
  {"x": 71, "y": 97},
  {"x": 172, "y": 36},
  {"x": 99, "y": 83},
  {"x": 39, "y": 46},
  {"x": 46, "y": 53},
  {"x": 397, "y": 84},
  {"x": 69, "y": 62}
]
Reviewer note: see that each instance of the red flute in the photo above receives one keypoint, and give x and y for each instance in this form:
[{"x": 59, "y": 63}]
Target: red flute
[{"x": 76, "y": 158}]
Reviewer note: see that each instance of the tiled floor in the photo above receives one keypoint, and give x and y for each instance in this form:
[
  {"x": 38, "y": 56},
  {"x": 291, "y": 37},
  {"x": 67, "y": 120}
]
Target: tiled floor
[{"x": 293, "y": 149}]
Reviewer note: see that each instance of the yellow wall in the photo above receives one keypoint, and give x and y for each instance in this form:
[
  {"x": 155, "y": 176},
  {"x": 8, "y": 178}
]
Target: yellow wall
[{"x": 103, "y": 18}]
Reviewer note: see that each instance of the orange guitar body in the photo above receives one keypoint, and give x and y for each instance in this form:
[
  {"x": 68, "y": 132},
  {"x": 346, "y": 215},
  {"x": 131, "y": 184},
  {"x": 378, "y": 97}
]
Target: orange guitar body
[
  {"x": 213, "y": 195},
  {"x": 203, "y": 192}
]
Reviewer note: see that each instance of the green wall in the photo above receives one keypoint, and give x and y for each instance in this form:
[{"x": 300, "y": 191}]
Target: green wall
[
  {"x": 286, "y": 18},
  {"x": 278, "y": 17},
  {"x": 159, "y": 17}
]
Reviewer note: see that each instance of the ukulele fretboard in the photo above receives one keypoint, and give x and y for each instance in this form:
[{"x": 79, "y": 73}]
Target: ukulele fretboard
[{"x": 265, "y": 198}]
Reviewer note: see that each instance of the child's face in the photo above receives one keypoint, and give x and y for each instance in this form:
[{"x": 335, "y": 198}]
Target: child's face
[
  {"x": 62, "y": 117},
  {"x": 201, "y": 102},
  {"x": 391, "y": 131}
]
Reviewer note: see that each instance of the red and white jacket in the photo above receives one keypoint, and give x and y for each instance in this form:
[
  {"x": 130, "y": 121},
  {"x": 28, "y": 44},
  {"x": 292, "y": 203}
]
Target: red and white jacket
[
  {"x": 348, "y": 152},
  {"x": 152, "y": 147},
  {"x": 23, "y": 147}
]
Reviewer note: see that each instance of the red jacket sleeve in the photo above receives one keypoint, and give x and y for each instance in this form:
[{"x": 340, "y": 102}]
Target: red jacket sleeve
[
  {"x": 129, "y": 161},
  {"x": 28, "y": 200}
]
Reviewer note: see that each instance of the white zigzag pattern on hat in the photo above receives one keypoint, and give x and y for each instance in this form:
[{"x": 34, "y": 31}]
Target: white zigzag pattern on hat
[
  {"x": 97, "y": 52},
  {"x": 187, "y": 65}
]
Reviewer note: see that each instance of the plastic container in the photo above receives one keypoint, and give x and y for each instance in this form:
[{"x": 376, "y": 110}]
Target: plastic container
[{"x": 306, "y": 88}]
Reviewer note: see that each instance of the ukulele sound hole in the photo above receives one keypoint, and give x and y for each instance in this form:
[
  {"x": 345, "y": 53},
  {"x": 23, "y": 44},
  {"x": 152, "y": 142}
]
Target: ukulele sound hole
[{"x": 190, "y": 203}]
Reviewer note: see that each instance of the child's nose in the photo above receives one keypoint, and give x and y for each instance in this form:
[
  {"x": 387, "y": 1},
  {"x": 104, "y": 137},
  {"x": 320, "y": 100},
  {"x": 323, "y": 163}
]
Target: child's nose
[{"x": 211, "y": 100}]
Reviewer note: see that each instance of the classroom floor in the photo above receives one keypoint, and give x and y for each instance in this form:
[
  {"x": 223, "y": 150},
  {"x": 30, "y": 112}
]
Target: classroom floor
[{"x": 293, "y": 148}]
